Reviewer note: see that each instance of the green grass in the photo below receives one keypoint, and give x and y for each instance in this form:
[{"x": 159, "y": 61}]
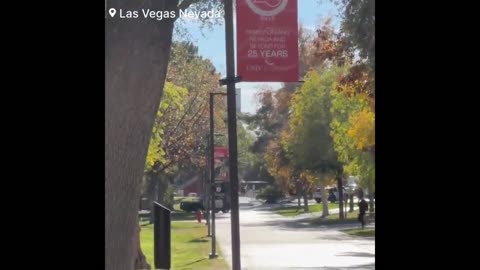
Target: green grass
[
  {"x": 187, "y": 199},
  {"x": 352, "y": 217},
  {"x": 361, "y": 232},
  {"x": 178, "y": 199},
  {"x": 176, "y": 214},
  {"x": 189, "y": 244},
  {"x": 291, "y": 211}
]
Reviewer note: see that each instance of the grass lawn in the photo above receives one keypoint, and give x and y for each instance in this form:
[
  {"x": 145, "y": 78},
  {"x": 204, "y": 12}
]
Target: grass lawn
[
  {"x": 186, "y": 199},
  {"x": 291, "y": 211},
  {"x": 352, "y": 217},
  {"x": 178, "y": 199},
  {"x": 177, "y": 214},
  {"x": 190, "y": 247},
  {"x": 334, "y": 219},
  {"x": 370, "y": 232}
]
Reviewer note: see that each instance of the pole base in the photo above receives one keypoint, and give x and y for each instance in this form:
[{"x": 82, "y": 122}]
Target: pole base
[{"x": 212, "y": 256}]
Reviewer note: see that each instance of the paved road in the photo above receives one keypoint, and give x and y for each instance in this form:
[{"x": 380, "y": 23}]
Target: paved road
[{"x": 270, "y": 241}]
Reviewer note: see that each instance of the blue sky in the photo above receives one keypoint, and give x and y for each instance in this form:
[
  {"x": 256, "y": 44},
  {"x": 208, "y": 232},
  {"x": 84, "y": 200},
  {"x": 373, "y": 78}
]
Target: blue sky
[{"x": 211, "y": 44}]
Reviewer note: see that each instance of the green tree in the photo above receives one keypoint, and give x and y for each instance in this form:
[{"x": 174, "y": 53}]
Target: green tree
[
  {"x": 358, "y": 24},
  {"x": 309, "y": 145},
  {"x": 179, "y": 135},
  {"x": 353, "y": 130},
  {"x": 278, "y": 166},
  {"x": 170, "y": 108},
  {"x": 160, "y": 155},
  {"x": 247, "y": 160}
]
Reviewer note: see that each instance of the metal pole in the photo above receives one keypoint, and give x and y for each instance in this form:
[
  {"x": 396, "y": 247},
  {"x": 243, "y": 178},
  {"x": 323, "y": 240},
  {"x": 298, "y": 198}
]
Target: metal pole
[
  {"x": 340, "y": 196},
  {"x": 213, "y": 254},
  {"x": 232, "y": 133},
  {"x": 207, "y": 187},
  {"x": 346, "y": 204}
]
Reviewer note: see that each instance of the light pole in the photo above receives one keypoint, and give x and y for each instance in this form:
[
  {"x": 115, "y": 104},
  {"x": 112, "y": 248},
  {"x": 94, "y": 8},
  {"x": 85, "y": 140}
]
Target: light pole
[
  {"x": 230, "y": 81},
  {"x": 206, "y": 187},
  {"x": 340, "y": 196},
  {"x": 213, "y": 253}
]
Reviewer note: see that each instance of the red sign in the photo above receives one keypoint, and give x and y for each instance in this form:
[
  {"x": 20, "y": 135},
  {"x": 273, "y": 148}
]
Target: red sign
[
  {"x": 267, "y": 40},
  {"x": 220, "y": 152},
  {"x": 220, "y": 155}
]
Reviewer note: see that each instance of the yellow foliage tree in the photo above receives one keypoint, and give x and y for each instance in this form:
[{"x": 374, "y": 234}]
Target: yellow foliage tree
[{"x": 362, "y": 129}]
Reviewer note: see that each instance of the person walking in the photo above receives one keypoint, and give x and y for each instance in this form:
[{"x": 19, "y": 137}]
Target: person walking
[{"x": 363, "y": 207}]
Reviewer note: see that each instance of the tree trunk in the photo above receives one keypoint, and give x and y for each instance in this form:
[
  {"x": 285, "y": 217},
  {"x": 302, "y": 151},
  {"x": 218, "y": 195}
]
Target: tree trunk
[
  {"x": 141, "y": 260},
  {"x": 372, "y": 204},
  {"x": 171, "y": 200},
  {"x": 299, "y": 188},
  {"x": 150, "y": 193},
  {"x": 154, "y": 196},
  {"x": 351, "y": 203},
  {"x": 340, "y": 196},
  {"x": 136, "y": 59},
  {"x": 160, "y": 189},
  {"x": 305, "y": 201},
  {"x": 346, "y": 203},
  {"x": 324, "y": 199}
]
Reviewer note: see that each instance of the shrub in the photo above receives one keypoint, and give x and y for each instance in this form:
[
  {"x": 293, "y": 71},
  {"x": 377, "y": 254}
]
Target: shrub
[{"x": 271, "y": 194}]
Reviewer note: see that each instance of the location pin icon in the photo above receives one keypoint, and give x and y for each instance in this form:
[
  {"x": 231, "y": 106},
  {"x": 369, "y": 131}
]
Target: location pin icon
[{"x": 112, "y": 12}]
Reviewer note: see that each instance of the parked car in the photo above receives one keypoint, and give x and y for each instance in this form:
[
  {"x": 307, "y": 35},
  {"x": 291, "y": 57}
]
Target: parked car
[{"x": 192, "y": 206}]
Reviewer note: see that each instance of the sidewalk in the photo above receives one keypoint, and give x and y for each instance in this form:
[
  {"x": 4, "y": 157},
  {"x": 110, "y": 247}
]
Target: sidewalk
[{"x": 271, "y": 241}]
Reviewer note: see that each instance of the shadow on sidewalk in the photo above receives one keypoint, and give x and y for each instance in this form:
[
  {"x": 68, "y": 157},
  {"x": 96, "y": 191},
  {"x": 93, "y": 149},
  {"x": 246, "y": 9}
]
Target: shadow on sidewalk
[
  {"x": 306, "y": 224},
  {"x": 358, "y": 254},
  {"x": 369, "y": 266}
]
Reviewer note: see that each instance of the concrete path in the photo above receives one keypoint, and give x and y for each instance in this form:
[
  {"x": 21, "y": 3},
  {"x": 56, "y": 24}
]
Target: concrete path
[{"x": 271, "y": 241}]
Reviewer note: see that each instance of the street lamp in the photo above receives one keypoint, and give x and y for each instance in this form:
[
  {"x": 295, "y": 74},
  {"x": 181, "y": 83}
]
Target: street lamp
[
  {"x": 213, "y": 253},
  {"x": 206, "y": 188}
]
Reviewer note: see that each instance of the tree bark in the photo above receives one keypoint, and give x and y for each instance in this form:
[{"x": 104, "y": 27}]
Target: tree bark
[
  {"x": 371, "y": 188},
  {"x": 141, "y": 260},
  {"x": 150, "y": 193},
  {"x": 340, "y": 196},
  {"x": 298, "y": 187},
  {"x": 372, "y": 204},
  {"x": 324, "y": 199},
  {"x": 351, "y": 202},
  {"x": 136, "y": 58},
  {"x": 305, "y": 201}
]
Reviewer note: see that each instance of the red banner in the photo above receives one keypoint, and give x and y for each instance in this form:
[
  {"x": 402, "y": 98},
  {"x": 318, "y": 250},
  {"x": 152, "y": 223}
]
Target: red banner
[
  {"x": 220, "y": 155},
  {"x": 220, "y": 152},
  {"x": 267, "y": 40}
]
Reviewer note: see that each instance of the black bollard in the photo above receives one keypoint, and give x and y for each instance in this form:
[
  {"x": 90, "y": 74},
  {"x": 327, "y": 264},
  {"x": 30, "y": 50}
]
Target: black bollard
[{"x": 161, "y": 236}]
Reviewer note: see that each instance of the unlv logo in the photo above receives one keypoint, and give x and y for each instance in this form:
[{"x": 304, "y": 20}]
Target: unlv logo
[{"x": 267, "y": 7}]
